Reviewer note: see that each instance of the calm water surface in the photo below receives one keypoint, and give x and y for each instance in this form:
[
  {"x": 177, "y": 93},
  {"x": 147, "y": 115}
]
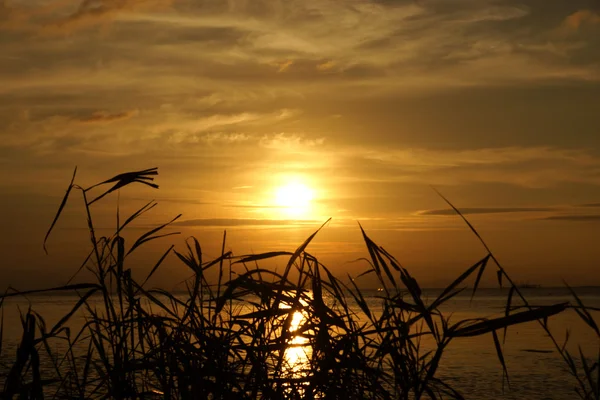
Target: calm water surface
[{"x": 470, "y": 365}]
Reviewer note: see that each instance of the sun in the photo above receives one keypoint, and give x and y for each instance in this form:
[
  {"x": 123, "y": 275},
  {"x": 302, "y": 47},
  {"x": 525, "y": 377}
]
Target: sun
[
  {"x": 293, "y": 195},
  {"x": 294, "y": 198}
]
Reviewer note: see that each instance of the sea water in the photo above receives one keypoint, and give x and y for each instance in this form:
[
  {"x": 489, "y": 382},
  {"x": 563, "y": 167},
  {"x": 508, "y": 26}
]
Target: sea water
[{"x": 470, "y": 365}]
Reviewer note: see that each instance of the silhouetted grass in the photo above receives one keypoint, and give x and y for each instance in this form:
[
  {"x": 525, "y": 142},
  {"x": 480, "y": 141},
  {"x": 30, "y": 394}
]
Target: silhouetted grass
[{"x": 239, "y": 337}]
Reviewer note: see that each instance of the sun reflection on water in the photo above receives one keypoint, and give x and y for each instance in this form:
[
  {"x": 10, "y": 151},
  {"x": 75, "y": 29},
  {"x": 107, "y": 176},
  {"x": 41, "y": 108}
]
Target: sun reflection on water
[{"x": 297, "y": 353}]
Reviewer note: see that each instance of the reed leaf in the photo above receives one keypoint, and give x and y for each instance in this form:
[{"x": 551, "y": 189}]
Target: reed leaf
[
  {"x": 73, "y": 310},
  {"x": 480, "y": 327},
  {"x": 500, "y": 355},
  {"x": 60, "y": 208},
  {"x": 146, "y": 237},
  {"x": 499, "y": 275},
  {"x": 262, "y": 256},
  {"x": 301, "y": 249},
  {"x": 158, "y": 264},
  {"x": 76, "y": 286},
  {"x": 479, "y": 265},
  {"x": 507, "y": 309},
  {"x": 583, "y": 312}
]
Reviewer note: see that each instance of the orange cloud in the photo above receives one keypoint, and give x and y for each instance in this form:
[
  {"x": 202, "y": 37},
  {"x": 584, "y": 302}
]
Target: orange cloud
[
  {"x": 582, "y": 17},
  {"x": 103, "y": 116},
  {"x": 51, "y": 18},
  {"x": 282, "y": 65},
  {"x": 326, "y": 66},
  {"x": 94, "y": 12}
]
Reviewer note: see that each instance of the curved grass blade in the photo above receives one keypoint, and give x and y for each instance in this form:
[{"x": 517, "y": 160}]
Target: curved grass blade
[
  {"x": 148, "y": 235},
  {"x": 500, "y": 357},
  {"x": 484, "y": 263},
  {"x": 262, "y": 256},
  {"x": 77, "y": 286},
  {"x": 507, "y": 310},
  {"x": 158, "y": 264},
  {"x": 76, "y": 307},
  {"x": 147, "y": 207},
  {"x": 300, "y": 249},
  {"x": 479, "y": 264},
  {"x": 583, "y": 312},
  {"x": 60, "y": 208},
  {"x": 489, "y": 325}
]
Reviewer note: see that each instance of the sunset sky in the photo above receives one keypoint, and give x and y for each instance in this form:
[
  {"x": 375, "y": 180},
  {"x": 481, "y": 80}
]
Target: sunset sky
[{"x": 266, "y": 117}]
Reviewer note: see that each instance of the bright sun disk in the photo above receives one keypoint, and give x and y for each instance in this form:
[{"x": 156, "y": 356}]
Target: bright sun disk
[{"x": 295, "y": 197}]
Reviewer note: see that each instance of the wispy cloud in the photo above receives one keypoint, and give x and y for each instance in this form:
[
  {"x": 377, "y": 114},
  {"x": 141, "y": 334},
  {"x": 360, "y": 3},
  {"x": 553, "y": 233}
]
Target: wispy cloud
[
  {"x": 578, "y": 19},
  {"x": 574, "y": 218},
  {"x": 290, "y": 142},
  {"x": 592, "y": 205},
  {"x": 175, "y": 200},
  {"x": 521, "y": 166},
  {"x": 489, "y": 210},
  {"x": 378, "y": 45},
  {"x": 103, "y": 116},
  {"x": 60, "y": 17},
  {"x": 219, "y": 222}
]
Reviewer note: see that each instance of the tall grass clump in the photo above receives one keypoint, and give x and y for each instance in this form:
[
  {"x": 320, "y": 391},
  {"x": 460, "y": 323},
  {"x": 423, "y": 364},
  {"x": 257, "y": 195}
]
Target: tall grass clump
[{"x": 252, "y": 332}]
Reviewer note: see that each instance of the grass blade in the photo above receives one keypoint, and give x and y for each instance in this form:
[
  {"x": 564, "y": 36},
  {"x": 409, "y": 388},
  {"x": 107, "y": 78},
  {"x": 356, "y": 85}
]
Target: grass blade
[
  {"x": 60, "y": 208},
  {"x": 507, "y": 309},
  {"x": 500, "y": 356},
  {"x": 483, "y": 326},
  {"x": 148, "y": 235},
  {"x": 160, "y": 261}
]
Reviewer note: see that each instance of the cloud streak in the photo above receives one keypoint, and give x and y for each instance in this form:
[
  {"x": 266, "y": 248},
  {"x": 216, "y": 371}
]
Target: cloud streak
[
  {"x": 573, "y": 218},
  {"x": 591, "y": 205},
  {"x": 224, "y": 222},
  {"x": 533, "y": 167},
  {"x": 57, "y": 17},
  {"x": 103, "y": 116},
  {"x": 488, "y": 210},
  {"x": 578, "y": 19}
]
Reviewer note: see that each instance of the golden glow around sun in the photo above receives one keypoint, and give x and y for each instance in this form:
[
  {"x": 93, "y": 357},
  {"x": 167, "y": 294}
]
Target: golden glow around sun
[{"x": 294, "y": 199}]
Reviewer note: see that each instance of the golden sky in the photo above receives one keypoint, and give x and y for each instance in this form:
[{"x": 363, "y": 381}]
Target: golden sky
[{"x": 267, "y": 117}]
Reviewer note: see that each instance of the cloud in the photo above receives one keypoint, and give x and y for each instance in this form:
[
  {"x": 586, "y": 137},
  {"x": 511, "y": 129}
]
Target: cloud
[
  {"x": 182, "y": 128},
  {"x": 218, "y": 222},
  {"x": 257, "y": 206},
  {"x": 326, "y": 66},
  {"x": 425, "y": 158},
  {"x": 591, "y": 205},
  {"x": 344, "y": 49},
  {"x": 487, "y": 210},
  {"x": 290, "y": 142},
  {"x": 175, "y": 200},
  {"x": 533, "y": 167},
  {"x": 575, "y": 218},
  {"x": 58, "y": 16},
  {"x": 103, "y": 116},
  {"x": 579, "y": 19},
  {"x": 408, "y": 41},
  {"x": 282, "y": 65},
  {"x": 208, "y": 138},
  {"x": 94, "y": 12}
]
